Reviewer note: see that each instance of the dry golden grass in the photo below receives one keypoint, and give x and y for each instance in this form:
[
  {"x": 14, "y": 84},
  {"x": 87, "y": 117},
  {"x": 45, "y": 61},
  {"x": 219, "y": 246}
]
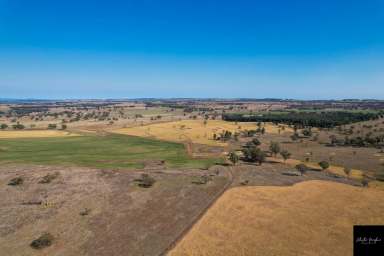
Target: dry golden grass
[
  {"x": 339, "y": 170},
  {"x": 34, "y": 134},
  {"x": 309, "y": 218},
  {"x": 192, "y": 130}
]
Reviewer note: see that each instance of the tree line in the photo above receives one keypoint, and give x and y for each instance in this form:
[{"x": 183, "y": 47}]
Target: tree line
[{"x": 328, "y": 119}]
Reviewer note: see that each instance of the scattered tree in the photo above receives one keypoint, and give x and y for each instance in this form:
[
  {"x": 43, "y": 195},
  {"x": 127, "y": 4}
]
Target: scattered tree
[
  {"x": 233, "y": 157},
  {"x": 43, "y": 241},
  {"x": 324, "y": 165},
  {"x": 285, "y": 154},
  {"x": 302, "y": 168},
  {"x": 274, "y": 147}
]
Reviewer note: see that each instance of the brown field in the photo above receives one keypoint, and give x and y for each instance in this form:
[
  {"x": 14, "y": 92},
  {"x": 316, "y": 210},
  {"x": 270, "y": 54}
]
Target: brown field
[
  {"x": 284, "y": 220},
  {"x": 35, "y": 134},
  {"x": 123, "y": 219},
  {"x": 192, "y": 130}
]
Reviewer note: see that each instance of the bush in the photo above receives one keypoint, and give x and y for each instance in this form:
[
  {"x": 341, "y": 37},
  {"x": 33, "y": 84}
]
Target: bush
[
  {"x": 43, "y": 241},
  {"x": 52, "y": 126},
  {"x": 380, "y": 176},
  {"x": 347, "y": 170},
  {"x": 285, "y": 154},
  {"x": 274, "y": 147},
  {"x": 16, "y": 181},
  {"x": 145, "y": 181},
  {"x": 324, "y": 165},
  {"x": 49, "y": 177},
  {"x": 233, "y": 157},
  {"x": 302, "y": 168},
  {"x": 254, "y": 154},
  {"x": 204, "y": 179}
]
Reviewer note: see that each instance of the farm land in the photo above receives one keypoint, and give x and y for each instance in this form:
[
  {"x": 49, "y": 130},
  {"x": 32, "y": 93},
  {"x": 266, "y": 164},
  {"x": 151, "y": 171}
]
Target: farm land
[{"x": 152, "y": 177}]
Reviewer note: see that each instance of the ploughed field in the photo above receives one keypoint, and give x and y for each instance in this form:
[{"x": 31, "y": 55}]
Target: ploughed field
[
  {"x": 109, "y": 151},
  {"x": 308, "y": 218}
]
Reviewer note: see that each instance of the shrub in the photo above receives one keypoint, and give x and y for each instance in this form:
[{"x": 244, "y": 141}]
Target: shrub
[
  {"x": 49, "y": 177},
  {"x": 85, "y": 212},
  {"x": 347, "y": 170},
  {"x": 145, "y": 181},
  {"x": 324, "y": 165},
  {"x": 256, "y": 142},
  {"x": 233, "y": 157},
  {"x": 274, "y": 147},
  {"x": 302, "y": 168},
  {"x": 16, "y": 181},
  {"x": 285, "y": 154},
  {"x": 43, "y": 241},
  {"x": 52, "y": 126},
  {"x": 204, "y": 179},
  {"x": 254, "y": 154},
  {"x": 380, "y": 176}
]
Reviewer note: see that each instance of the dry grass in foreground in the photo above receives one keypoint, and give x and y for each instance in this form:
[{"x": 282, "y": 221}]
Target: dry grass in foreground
[
  {"x": 192, "y": 130},
  {"x": 34, "y": 134},
  {"x": 309, "y": 218}
]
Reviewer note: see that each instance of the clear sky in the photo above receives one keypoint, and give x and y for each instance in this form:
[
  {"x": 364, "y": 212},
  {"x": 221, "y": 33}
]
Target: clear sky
[{"x": 145, "y": 48}]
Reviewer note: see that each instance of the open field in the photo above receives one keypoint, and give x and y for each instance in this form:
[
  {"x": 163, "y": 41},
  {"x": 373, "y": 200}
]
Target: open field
[
  {"x": 195, "y": 131},
  {"x": 35, "y": 134},
  {"x": 100, "y": 212},
  {"x": 110, "y": 151},
  {"x": 284, "y": 221}
]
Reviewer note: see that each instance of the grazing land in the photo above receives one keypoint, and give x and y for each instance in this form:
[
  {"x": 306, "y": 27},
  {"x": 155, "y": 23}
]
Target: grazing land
[
  {"x": 284, "y": 221},
  {"x": 100, "y": 212},
  {"x": 196, "y": 131},
  {"x": 133, "y": 177}
]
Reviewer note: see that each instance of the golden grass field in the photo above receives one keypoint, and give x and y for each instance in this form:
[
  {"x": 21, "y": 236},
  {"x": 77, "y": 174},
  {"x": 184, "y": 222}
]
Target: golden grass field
[
  {"x": 309, "y": 218},
  {"x": 34, "y": 134},
  {"x": 339, "y": 170},
  {"x": 192, "y": 130}
]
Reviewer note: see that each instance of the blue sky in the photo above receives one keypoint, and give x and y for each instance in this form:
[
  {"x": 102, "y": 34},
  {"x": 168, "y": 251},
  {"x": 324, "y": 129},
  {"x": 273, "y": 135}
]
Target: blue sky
[{"x": 131, "y": 49}]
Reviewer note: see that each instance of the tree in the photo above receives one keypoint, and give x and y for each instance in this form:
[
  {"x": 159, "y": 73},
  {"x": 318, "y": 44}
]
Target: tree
[
  {"x": 307, "y": 132},
  {"x": 52, "y": 126},
  {"x": 254, "y": 154},
  {"x": 324, "y": 165},
  {"x": 347, "y": 170},
  {"x": 285, "y": 154},
  {"x": 302, "y": 168},
  {"x": 18, "y": 126},
  {"x": 295, "y": 136},
  {"x": 233, "y": 157},
  {"x": 274, "y": 147},
  {"x": 3, "y": 126},
  {"x": 63, "y": 127},
  {"x": 256, "y": 142}
]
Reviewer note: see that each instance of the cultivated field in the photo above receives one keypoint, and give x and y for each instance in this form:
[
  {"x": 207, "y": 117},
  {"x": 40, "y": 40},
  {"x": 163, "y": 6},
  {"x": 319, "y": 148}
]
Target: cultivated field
[
  {"x": 195, "y": 131},
  {"x": 109, "y": 151},
  {"x": 35, "y": 134},
  {"x": 309, "y": 218}
]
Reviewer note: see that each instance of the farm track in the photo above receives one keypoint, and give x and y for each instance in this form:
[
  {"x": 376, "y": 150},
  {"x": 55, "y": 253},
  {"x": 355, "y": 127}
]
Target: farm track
[{"x": 196, "y": 218}]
